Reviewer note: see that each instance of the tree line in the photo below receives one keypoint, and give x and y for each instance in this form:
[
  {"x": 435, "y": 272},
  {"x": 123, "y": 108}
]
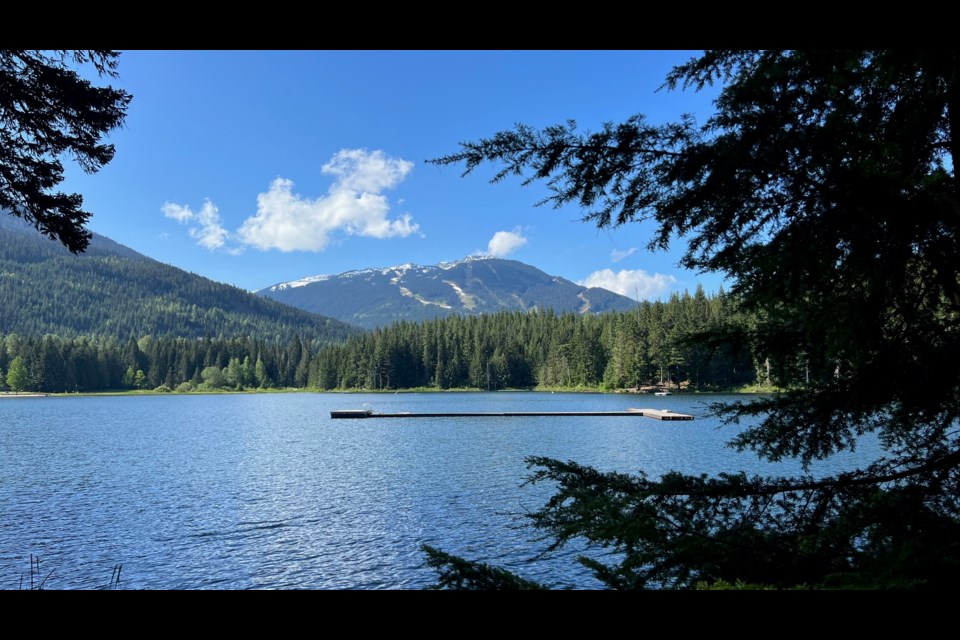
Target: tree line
[
  {"x": 655, "y": 344},
  {"x": 57, "y": 364}
]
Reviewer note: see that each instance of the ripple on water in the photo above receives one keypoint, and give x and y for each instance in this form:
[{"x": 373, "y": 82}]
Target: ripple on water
[{"x": 265, "y": 491}]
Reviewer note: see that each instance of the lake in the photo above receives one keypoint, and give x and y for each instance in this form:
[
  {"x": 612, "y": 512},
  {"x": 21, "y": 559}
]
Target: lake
[{"x": 266, "y": 491}]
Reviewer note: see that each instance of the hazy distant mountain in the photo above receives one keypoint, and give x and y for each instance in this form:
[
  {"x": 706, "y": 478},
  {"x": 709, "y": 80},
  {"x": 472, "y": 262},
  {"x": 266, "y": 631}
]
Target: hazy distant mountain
[
  {"x": 113, "y": 290},
  {"x": 376, "y": 297}
]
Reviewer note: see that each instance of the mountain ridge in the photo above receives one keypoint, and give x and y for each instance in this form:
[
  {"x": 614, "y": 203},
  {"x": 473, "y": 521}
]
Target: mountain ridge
[{"x": 376, "y": 296}]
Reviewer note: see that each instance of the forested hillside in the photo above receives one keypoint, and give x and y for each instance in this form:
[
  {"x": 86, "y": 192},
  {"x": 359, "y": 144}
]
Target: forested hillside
[
  {"x": 653, "y": 344},
  {"x": 649, "y": 345},
  {"x": 111, "y": 290}
]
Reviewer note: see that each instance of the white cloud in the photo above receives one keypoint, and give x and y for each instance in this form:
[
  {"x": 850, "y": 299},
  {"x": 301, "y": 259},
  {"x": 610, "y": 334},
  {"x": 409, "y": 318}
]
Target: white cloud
[
  {"x": 206, "y": 226},
  {"x": 358, "y": 170},
  {"x": 631, "y": 283},
  {"x": 354, "y": 204},
  {"x": 178, "y": 212},
  {"x": 617, "y": 255},
  {"x": 211, "y": 233},
  {"x": 505, "y": 242}
]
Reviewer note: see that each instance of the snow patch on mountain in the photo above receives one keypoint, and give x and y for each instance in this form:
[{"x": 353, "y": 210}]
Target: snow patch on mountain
[
  {"x": 299, "y": 283},
  {"x": 467, "y": 300}
]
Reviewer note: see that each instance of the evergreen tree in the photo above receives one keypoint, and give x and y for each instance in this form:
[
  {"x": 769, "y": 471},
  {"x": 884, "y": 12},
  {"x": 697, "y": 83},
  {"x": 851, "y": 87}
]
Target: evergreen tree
[
  {"x": 825, "y": 187},
  {"x": 48, "y": 110}
]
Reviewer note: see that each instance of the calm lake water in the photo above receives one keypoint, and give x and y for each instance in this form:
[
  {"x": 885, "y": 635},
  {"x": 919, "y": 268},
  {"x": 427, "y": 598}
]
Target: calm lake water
[{"x": 266, "y": 491}]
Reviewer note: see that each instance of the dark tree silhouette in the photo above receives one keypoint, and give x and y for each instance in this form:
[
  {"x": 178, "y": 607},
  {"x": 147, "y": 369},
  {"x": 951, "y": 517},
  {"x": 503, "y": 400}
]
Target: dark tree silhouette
[
  {"x": 825, "y": 186},
  {"x": 47, "y": 111}
]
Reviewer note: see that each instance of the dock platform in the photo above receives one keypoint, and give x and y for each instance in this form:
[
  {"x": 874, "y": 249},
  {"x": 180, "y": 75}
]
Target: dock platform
[{"x": 656, "y": 414}]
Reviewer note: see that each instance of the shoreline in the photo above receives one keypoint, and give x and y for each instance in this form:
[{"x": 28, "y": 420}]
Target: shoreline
[{"x": 151, "y": 392}]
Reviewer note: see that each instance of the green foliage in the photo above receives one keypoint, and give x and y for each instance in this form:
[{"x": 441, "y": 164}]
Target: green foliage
[
  {"x": 824, "y": 186},
  {"x": 739, "y": 585},
  {"x": 111, "y": 290},
  {"x": 213, "y": 378},
  {"x": 56, "y": 364},
  {"x": 17, "y": 375},
  {"x": 47, "y": 110},
  {"x": 648, "y": 345},
  {"x": 681, "y": 530},
  {"x": 260, "y": 374},
  {"x": 456, "y": 573}
]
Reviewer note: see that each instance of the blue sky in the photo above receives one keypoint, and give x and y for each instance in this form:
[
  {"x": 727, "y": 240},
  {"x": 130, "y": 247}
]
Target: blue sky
[{"x": 254, "y": 168}]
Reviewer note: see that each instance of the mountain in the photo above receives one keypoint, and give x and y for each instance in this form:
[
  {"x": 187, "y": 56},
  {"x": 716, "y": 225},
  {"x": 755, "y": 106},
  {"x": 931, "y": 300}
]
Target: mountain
[
  {"x": 112, "y": 290},
  {"x": 376, "y": 297}
]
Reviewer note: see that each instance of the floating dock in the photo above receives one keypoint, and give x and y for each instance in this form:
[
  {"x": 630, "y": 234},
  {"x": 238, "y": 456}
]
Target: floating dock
[{"x": 656, "y": 414}]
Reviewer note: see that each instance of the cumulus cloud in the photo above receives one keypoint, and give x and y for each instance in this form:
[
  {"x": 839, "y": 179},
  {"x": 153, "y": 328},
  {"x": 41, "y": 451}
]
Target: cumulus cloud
[
  {"x": 353, "y": 204},
  {"x": 631, "y": 283},
  {"x": 206, "y": 226},
  {"x": 505, "y": 242},
  {"x": 617, "y": 255},
  {"x": 360, "y": 170},
  {"x": 177, "y": 212}
]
